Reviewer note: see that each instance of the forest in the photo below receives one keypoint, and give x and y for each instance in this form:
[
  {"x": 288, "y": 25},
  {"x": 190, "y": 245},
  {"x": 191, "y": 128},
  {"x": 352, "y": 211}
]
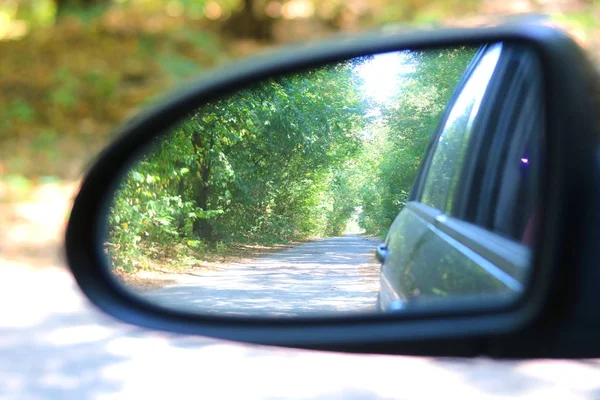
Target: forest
[
  {"x": 292, "y": 158},
  {"x": 77, "y": 69}
]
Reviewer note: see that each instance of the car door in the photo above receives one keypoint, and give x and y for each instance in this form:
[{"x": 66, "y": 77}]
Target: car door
[{"x": 463, "y": 231}]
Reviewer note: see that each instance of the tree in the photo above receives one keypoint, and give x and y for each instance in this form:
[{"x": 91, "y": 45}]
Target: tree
[
  {"x": 250, "y": 22},
  {"x": 262, "y": 164},
  {"x": 405, "y": 130},
  {"x": 62, "y": 6},
  {"x": 289, "y": 158}
]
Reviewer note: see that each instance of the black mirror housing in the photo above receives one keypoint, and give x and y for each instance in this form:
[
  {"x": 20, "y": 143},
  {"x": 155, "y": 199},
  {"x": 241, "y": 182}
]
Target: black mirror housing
[{"x": 556, "y": 316}]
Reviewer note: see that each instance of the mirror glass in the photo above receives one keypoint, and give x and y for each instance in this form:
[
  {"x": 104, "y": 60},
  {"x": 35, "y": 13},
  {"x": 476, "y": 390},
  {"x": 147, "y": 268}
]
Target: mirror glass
[{"x": 373, "y": 184}]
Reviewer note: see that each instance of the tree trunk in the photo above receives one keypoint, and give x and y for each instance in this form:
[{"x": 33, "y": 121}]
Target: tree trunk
[
  {"x": 62, "y": 6},
  {"x": 202, "y": 227},
  {"x": 250, "y": 24},
  {"x": 181, "y": 191}
]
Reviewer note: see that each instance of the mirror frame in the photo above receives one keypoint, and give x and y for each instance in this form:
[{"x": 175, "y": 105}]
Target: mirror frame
[{"x": 450, "y": 330}]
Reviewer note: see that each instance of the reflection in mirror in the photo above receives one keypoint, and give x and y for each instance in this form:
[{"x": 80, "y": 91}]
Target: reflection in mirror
[{"x": 273, "y": 200}]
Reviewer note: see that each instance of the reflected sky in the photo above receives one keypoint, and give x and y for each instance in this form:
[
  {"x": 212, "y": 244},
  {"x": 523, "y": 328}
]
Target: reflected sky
[{"x": 382, "y": 74}]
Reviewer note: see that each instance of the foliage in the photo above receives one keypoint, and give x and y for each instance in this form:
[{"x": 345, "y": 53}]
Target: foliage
[
  {"x": 252, "y": 166},
  {"x": 291, "y": 158},
  {"x": 396, "y": 151},
  {"x": 78, "y": 68},
  {"x": 79, "y": 80}
]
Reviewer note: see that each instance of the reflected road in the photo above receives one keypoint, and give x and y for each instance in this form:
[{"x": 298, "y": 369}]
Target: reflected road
[{"x": 328, "y": 276}]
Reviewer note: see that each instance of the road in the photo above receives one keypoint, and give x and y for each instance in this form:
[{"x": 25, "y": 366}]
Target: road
[
  {"x": 327, "y": 276},
  {"x": 55, "y": 345}
]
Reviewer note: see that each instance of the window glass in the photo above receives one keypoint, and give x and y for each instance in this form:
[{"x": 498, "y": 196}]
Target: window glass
[
  {"x": 505, "y": 192},
  {"x": 450, "y": 151},
  {"x": 520, "y": 172}
]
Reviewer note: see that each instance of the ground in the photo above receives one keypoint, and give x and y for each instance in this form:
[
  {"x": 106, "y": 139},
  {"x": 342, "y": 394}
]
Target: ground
[
  {"x": 331, "y": 275},
  {"x": 169, "y": 271},
  {"x": 54, "y": 344}
]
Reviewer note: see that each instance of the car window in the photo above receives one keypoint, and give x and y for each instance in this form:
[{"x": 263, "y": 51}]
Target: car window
[
  {"x": 450, "y": 151},
  {"x": 499, "y": 188},
  {"x": 518, "y": 172}
]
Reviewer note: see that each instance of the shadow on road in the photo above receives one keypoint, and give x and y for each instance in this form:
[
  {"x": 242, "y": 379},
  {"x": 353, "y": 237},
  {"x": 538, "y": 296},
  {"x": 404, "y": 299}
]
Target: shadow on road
[{"x": 335, "y": 275}]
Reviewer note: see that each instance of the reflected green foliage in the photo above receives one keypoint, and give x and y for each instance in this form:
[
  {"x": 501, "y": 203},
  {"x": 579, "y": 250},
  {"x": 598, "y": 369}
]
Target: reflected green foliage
[
  {"x": 408, "y": 122},
  {"x": 291, "y": 158},
  {"x": 262, "y": 165}
]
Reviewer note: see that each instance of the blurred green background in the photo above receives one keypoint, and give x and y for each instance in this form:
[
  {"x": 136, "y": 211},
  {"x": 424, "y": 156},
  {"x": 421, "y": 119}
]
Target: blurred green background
[{"x": 72, "y": 70}]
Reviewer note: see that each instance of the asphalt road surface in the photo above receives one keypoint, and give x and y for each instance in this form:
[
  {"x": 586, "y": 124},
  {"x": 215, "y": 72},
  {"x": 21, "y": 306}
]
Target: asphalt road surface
[{"x": 328, "y": 276}]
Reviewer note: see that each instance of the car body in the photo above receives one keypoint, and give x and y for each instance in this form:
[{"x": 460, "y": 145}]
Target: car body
[{"x": 466, "y": 229}]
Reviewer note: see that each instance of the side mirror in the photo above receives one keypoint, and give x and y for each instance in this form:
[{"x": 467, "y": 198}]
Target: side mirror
[{"x": 429, "y": 194}]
